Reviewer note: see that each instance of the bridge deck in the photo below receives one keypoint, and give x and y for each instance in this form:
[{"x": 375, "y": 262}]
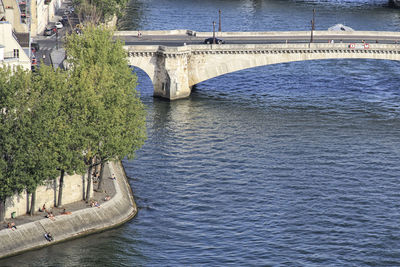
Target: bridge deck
[{"x": 181, "y": 37}]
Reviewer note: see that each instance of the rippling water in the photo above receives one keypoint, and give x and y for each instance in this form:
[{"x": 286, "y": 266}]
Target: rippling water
[{"x": 287, "y": 165}]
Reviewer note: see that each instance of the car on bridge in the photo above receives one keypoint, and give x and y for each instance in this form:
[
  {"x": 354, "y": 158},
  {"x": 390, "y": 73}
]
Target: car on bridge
[{"x": 211, "y": 41}]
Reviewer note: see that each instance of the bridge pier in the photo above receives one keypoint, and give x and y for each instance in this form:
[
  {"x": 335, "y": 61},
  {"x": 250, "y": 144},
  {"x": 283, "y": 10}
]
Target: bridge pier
[{"x": 171, "y": 79}]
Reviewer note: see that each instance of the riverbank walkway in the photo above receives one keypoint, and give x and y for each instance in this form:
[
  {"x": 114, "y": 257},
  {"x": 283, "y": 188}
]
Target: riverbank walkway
[{"x": 83, "y": 219}]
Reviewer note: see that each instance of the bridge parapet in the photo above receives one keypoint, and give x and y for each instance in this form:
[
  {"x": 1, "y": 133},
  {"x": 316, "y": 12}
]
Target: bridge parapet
[
  {"x": 358, "y": 34},
  {"x": 277, "y": 48},
  {"x": 166, "y": 32},
  {"x": 139, "y": 51}
]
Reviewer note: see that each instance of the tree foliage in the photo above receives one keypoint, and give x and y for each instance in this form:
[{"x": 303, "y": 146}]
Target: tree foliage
[
  {"x": 14, "y": 116},
  {"x": 56, "y": 122},
  {"x": 26, "y": 137},
  {"x": 114, "y": 122},
  {"x": 96, "y": 11}
]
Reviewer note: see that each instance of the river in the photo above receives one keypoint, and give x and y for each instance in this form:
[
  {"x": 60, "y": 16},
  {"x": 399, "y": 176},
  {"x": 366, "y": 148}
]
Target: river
[{"x": 292, "y": 164}]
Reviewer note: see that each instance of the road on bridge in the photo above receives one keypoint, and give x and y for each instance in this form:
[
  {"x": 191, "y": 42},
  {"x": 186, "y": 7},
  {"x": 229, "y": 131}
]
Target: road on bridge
[{"x": 179, "y": 40}]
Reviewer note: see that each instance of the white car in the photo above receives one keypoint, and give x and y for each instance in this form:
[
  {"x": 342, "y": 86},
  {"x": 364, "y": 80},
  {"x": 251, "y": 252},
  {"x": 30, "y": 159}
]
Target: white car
[{"x": 59, "y": 25}]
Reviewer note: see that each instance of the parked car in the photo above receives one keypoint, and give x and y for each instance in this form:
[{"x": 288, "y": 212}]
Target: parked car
[
  {"x": 211, "y": 41},
  {"x": 48, "y": 32},
  {"x": 64, "y": 21},
  {"x": 59, "y": 25}
]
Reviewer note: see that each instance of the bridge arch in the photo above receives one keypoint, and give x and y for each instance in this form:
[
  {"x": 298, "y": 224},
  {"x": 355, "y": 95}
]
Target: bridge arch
[
  {"x": 174, "y": 70},
  {"x": 211, "y": 65},
  {"x": 145, "y": 84}
]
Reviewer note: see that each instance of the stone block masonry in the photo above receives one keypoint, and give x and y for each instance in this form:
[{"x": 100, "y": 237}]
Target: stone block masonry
[
  {"x": 119, "y": 209},
  {"x": 73, "y": 190}
]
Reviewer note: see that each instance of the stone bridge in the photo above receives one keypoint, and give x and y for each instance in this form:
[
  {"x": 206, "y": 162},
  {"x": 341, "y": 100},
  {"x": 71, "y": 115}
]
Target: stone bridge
[{"x": 175, "y": 69}]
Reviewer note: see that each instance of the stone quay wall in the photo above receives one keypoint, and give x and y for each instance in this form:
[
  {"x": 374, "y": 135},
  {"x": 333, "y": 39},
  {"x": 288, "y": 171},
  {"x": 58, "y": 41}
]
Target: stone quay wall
[
  {"x": 119, "y": 209},
  {"x": 73, "y": 190}
]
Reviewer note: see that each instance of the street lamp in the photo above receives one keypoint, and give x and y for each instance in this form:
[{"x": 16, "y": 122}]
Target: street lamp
[
  {"x": 219, "y": 27},
  {"x": 57, "y": 38},
  {"x": 213, "y": 32},
  {"x": 312, "y": 26}
]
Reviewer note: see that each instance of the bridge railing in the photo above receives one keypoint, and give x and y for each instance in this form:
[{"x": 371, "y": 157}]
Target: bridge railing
[
  {"x": 359, "y": 34},
  {"x": 238, "y": 48}
]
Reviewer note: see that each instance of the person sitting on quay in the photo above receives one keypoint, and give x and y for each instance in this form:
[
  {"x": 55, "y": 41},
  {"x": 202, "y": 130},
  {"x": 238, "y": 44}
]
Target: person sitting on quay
[
  {"x": 50, "y": 215},
  {"x": 48, "y": 237},
  {"x": 11, "y": 225},
  {"x": 107, "y": 198},
  {"x": 95, "y": 204},
  {"x": 64, "y": 212},
  {"x": 43, "y": 209}
]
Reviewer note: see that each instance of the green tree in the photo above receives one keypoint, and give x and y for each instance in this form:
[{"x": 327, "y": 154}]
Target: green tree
[
  {"x": 15, "y": 108},
  {"x": 114, "y": 123},
  {"x": 37, "y": 140},
  {"x": 41, "y": 137},
  {"x": 56, "y": 122},
  {"x": 110, "y": 8},
  {"x": 57, "y": 107},
  {"x": 96, "y": 11}
]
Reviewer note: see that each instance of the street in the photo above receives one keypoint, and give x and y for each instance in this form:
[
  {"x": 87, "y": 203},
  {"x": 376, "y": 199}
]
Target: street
[
  {"x": 51, "y": 50},
  {"x": 178, "y": 40}
]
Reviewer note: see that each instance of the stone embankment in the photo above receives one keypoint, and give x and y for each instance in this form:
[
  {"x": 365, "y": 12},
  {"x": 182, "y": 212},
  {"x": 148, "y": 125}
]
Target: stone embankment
[{"x": 119, "y": 209}]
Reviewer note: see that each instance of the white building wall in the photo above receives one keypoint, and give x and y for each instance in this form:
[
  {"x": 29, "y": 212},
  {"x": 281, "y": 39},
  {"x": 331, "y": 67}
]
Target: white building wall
[
  {"x": 10, "y": 43},
  {"x": 42, "y": 16},
  {"x": 1, "y": 52}
]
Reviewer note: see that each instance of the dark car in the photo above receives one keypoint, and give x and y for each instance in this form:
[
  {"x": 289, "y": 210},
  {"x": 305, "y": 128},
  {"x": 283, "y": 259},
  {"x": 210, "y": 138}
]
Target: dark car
[
  {"x": 48, "y": 32},
  {"x": 211, "y": 41},
  {"x": 64, "y": 20}
]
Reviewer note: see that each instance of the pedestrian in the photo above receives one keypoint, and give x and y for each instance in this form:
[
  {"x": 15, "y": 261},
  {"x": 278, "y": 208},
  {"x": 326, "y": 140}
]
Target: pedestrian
[
  {"x": 48, "y": 237},
  {"x": 11, "y": 225}
]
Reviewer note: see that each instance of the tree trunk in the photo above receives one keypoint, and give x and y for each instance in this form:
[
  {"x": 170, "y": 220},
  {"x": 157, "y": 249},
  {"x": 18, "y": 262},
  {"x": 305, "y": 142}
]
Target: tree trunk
[
  {"x": 100, "y": 186},
  {"x": 89, "y": 183},
  {"x": 2, "y": 209},
  {"x": 60, "y": 189},
  {"x": 33, "y": 202},
  {"x": 28, "y": 202}
]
